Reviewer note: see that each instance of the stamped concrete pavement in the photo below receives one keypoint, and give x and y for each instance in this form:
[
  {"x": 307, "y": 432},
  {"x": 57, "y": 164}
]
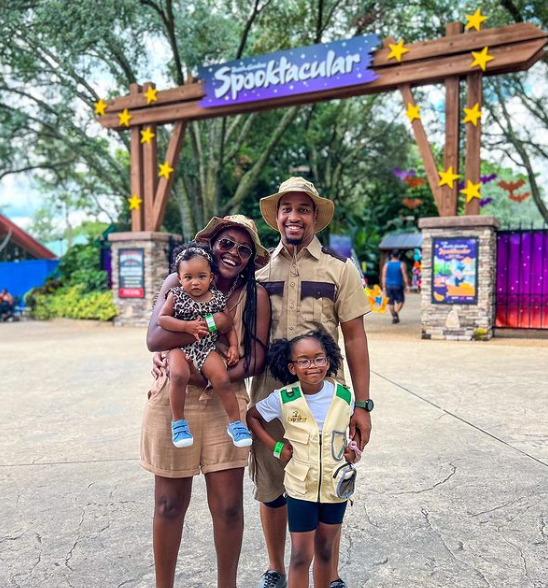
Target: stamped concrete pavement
[{"x": 453, "y": 489}]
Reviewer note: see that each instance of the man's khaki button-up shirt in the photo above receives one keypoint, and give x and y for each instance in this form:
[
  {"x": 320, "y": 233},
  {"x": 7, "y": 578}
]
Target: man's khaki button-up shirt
[{"x": 313, "y": 290}]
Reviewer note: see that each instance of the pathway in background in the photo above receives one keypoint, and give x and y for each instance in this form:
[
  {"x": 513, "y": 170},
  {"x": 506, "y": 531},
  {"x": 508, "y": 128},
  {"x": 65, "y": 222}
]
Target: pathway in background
[{"x": 453, "y": 490}]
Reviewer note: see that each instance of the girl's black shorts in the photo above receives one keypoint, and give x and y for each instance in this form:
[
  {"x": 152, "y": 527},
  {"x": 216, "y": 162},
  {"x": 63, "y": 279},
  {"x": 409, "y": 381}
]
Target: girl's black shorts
[{"x": 304, "y": 516}]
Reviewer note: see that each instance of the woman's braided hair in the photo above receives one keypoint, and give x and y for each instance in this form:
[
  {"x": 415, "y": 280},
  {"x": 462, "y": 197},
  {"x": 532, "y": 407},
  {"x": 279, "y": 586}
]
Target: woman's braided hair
[{"x": 279, "y": 355}]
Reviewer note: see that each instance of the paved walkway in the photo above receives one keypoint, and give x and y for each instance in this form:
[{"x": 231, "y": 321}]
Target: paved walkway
[{"x": 453, "y": 490}]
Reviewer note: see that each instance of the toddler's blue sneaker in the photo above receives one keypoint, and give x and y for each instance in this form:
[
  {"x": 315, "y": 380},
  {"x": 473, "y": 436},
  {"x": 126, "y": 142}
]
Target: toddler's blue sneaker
[
  {"x": 241, "y": 437},
  {"x": 180, "y": 434}
]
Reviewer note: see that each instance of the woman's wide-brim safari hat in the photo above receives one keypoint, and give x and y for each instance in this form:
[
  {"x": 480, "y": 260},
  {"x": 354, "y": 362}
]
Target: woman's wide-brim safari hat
[
  {"x": 217, "y": 224},
  {"x": 324, "y": 207}
]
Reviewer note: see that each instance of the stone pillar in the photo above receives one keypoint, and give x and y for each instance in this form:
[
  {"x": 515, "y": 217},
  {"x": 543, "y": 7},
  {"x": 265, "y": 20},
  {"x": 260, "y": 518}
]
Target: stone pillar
[
  {"x": 451, "y": 308},
  {"x": 140, "y": 263}
]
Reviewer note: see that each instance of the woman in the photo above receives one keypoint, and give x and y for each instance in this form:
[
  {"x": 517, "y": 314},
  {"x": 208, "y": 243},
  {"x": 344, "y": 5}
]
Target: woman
[{"x": 237, "y": 251}]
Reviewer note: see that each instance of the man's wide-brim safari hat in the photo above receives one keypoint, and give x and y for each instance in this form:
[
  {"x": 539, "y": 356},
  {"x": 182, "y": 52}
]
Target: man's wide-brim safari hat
[
  {"x": 217, "y": 224},
  {"x": 324, "y": 207}
]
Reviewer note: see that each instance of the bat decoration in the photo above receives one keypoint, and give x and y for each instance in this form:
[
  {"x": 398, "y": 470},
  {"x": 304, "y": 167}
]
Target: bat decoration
[
  {"x": 411, "y": 202},
  {"x": 414, "y": 182},
  {"x": 519, "y": 198},
  {"x": 402, "y": 174},
  {"x": 489, "y": 178},
  {"x": 512, "y": 186},
  {"x": 485, "y": 202},
  {"x": 483, "y": 179}
]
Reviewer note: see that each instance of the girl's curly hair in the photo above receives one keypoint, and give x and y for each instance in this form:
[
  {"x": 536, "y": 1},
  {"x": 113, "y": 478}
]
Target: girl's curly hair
[
  {"x": 190, "y": 250},
  {"x": 279, "y": 355}
]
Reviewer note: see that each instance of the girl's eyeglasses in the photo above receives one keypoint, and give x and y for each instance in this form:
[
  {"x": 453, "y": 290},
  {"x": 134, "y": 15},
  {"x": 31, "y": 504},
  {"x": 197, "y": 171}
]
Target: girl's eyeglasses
[
  {"x": 304, "y": 364},
  {"x": 243, "y": 251}
]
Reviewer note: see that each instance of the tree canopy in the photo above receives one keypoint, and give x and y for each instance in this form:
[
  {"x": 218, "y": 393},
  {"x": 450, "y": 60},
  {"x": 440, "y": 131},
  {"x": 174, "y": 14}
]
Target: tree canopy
[{"x": 58, "y": 58}]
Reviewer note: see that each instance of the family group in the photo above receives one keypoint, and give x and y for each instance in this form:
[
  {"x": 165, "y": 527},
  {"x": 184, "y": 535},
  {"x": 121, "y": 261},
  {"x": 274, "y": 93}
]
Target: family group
[{"x": 230, "y": 311}]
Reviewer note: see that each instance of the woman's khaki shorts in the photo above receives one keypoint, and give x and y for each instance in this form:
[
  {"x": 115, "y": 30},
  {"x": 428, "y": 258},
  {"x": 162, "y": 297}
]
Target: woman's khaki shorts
[{"x": 212, "y": 450}]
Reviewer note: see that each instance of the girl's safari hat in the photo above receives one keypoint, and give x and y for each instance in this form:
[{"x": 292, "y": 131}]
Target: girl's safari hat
[
  {"x": 325, "y": 208},
  {"x": 217, "y": 224}
]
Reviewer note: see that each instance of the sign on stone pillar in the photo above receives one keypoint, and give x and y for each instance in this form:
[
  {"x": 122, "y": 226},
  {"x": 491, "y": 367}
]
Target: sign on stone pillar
[
  {"x": 140, "y": 264},
  {"x": 458, "y": 277}
]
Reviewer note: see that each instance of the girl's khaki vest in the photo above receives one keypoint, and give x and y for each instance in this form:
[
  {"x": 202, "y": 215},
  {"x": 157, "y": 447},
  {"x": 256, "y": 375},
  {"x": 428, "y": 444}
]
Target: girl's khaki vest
[{"x": 309, "y": 474}]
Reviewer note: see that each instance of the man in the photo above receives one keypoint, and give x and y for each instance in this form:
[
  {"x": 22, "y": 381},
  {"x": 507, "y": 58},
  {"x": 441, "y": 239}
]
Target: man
[
  {"x": 309, "y": 287},
  {"x": 394, "y": 279}
]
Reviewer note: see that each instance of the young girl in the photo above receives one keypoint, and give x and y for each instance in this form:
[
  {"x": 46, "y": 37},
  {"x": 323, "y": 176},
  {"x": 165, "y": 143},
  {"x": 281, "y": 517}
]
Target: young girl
[
  {"x": 185, "y": 310},
  {"x": 315, "y": 412}
]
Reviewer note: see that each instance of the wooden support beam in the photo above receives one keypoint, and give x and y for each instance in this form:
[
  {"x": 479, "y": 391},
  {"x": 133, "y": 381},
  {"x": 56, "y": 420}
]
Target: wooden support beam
[
  {"x": 136, "y": 178},
  {"x": 508, "y": 58},
  {"x": 473, "y": 141},
  {"x": 179, "y": 94},
  {"x": 150, "y": 178},
  {"x": 454, "y": 43},
  {"x": 452, "y": 125},
  {"x": 164, "y": 185},
  {"x": 424, "y": 148}
]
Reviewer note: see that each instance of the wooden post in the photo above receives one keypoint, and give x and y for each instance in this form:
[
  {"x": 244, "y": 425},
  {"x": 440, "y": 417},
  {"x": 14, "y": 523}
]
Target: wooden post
[
  {"x": 164, "y": 185},
  {"x": 150, "y": 173},
  {"x": 449, "y": 196},
  {"x": 473, "y": 140},
  {"x": 150, "y": 169},
  {"x": 136, "y": 152},
  {"x": 424, "y": 148}
]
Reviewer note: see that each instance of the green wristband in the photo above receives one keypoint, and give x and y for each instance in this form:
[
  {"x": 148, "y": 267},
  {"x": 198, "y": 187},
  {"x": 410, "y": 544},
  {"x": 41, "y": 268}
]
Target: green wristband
[
  {"x": 212, "y": 327},
  {"x": 278, "y": 448}
]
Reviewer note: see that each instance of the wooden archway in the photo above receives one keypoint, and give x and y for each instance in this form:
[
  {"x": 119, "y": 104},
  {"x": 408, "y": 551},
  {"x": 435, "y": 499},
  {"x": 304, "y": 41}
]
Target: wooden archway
[{"x": 447, "y": 60}]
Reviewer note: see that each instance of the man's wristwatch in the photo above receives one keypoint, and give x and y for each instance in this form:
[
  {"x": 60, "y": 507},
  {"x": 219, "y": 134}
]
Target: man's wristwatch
[{"x": 367, "y": 405}]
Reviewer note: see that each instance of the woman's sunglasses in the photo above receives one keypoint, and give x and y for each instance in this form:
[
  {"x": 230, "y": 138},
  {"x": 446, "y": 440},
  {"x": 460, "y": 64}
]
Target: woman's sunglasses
[{"x": 243, "y": 251}]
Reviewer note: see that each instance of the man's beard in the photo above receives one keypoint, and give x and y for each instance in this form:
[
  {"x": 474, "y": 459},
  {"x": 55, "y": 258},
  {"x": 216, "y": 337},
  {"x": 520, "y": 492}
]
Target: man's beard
[{"x": 294, "y": 241}]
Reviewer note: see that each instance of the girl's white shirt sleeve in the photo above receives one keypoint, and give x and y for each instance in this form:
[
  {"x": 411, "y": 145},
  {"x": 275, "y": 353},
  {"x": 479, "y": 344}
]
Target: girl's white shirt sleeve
[{"x": 270, "y": 408}]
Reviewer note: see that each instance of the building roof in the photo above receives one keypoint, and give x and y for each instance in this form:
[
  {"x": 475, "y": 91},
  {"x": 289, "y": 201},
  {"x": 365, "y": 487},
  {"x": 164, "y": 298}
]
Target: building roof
[
  {"x": 23, "y": 240},
  {"x": 401, "y": 241}
]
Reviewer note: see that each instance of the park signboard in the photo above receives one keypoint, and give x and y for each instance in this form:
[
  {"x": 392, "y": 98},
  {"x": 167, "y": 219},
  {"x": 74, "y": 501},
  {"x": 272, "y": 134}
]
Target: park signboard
[
  {"x": 131, "y": 273},
  {"x": 302, "y": 70},
  {"x": 455, "y": 271}
]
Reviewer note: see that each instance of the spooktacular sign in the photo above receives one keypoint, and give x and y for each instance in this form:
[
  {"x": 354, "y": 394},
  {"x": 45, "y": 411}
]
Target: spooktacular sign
[{"x": 296, "y": 71}]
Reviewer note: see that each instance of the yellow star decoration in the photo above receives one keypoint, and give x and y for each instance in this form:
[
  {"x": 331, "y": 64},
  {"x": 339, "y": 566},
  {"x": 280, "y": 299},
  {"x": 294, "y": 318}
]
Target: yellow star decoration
[
  {"x": 396, "y": 51},
  {"x": 151, "y": 95},
  {"x": 472, "y": 114},
  {"x": 147, "y": 135},
  {"x": 447, "y": 177},
  {"x": 475, "y": 20},
  {"x": 412, "y": 112},
  {"x": 100, "y": 107},
  {"x": 134, "y": 202},
  {"x": 125, "y": 117},
  {"x": 165, "y": 170},
  {"x": 471, "y": 191},
  {"x": 482, "y": 58}
]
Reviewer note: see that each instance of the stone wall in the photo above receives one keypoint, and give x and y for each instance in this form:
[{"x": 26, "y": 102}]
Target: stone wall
[
  {"x": 135, "y": 312},
  {"x": 460, "y": 322}
]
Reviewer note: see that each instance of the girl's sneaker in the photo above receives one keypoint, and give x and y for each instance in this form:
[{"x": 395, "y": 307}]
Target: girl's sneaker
[
  {"x": 241, "y": 437},
  {"x": 180, "y": 434}
]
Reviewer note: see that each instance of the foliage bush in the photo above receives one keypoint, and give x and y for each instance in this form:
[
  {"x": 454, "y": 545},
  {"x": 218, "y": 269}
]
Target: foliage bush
[
  {"x": 78, "y": 289},
  {"x": 71, "y": 302}
]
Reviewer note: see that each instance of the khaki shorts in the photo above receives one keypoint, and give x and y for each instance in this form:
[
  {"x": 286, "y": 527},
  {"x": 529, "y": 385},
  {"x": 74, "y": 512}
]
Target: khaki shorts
[{"x": 212, "y": 451}]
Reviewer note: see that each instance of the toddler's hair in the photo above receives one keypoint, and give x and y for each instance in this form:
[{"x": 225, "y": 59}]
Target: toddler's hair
[
  {"x": 190, "y": 250},
  {"x": 279, "y": 355}
]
